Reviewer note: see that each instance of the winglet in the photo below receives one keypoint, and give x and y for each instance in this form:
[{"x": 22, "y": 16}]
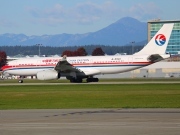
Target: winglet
[{"x": 64, "y": 58}]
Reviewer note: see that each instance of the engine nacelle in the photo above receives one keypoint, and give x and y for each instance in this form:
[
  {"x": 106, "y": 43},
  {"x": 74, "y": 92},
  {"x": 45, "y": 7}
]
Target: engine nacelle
[{"x": 48, "y": 75}]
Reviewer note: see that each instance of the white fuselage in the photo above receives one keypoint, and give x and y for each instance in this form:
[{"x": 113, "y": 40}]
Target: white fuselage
[{"x": 104, "y": 64}]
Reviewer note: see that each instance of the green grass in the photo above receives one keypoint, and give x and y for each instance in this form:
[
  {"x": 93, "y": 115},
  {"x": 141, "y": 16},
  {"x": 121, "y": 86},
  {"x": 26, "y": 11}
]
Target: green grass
[
  {"x": 90, "y": 96},
  {"x": 101, "y": 80}
]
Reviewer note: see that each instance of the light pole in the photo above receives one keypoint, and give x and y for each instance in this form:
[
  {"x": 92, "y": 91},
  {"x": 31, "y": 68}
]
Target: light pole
[
  {"x": 39, "y": 49},
  {"x": 132, "y": 51},
  {"x": 132, "y": 47}
]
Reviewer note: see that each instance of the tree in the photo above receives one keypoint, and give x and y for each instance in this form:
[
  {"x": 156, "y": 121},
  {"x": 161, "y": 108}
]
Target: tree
[
  {"x": 79, "y": 52},
  {"x": 3, "y": 58},
  {"x": 98, "y": 52},
  {"x": 67, "y": 53}
]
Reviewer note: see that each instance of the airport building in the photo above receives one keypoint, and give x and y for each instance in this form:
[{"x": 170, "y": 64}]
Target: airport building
[
  {"x": 157, "y": 70},
  {"x": 174, "y": 42}
]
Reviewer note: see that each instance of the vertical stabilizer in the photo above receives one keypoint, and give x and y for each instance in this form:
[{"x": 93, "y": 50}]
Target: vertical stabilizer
[{"x": 159, "y": 42}]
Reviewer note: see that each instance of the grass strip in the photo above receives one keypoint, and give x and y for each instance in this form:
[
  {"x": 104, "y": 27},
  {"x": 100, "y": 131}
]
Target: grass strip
[
  {"x": 90, "y": 96},
  {"x": 100, "y": 80}
]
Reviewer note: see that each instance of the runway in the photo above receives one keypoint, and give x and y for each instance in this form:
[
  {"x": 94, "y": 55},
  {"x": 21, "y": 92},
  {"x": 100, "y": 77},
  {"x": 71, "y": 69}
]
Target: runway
[{"x": 90, "y": 122}]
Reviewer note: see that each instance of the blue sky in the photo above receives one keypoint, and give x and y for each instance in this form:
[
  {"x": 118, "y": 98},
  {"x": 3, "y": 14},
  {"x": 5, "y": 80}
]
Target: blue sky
[{"x": 39, "y": 17}]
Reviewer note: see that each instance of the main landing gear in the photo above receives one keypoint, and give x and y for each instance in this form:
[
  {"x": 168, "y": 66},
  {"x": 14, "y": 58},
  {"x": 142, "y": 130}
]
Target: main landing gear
[
  {"x": 79, "y": 80},
  {"x": 76, "y": 80},
  {"x": 92, "y": 80}
]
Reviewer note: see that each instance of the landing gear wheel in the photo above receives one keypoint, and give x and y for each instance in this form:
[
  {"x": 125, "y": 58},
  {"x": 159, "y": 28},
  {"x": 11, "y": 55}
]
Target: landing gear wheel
[
  {"x": 89, "y": 80},
  {"x": 20, "y": 81},
  {"x": 92, "y": 80},
  {"x": 78, "y": 80},
  {"x": 72, "y": 80},
  {"x": 96, "y": 80}
]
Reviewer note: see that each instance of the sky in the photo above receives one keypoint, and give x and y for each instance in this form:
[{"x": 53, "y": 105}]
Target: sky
[{"x": 49, "y": 17}]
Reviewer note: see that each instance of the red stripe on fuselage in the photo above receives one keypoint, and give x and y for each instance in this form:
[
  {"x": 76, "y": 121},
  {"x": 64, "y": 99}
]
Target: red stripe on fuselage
[{"x": 6, "y": 67}]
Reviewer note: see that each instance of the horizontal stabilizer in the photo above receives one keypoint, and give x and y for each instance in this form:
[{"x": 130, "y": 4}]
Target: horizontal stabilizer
[{"x": 156, "y": 57}]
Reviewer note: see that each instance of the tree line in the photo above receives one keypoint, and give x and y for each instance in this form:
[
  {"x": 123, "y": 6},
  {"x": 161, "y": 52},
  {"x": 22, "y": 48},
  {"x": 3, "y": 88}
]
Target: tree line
[{"x": 49, "y": 50}]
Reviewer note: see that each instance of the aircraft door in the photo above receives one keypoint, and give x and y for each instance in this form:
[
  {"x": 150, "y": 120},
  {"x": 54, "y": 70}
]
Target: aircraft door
[
  {"x": 91, "y": 62},
  {"x": 130, "y": 60},
  {"x": 38, "y": 62},
  {"x": 15, "y": 64}
]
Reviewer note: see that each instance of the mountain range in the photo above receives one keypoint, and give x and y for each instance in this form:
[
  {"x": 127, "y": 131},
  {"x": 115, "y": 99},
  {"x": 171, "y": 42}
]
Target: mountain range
[{"x": 121, "y": 32}]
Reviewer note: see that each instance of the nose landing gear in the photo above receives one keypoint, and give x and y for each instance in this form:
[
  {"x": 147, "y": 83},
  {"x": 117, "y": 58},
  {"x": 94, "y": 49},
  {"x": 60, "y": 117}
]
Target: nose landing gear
[{"x": 20, "y": 81}]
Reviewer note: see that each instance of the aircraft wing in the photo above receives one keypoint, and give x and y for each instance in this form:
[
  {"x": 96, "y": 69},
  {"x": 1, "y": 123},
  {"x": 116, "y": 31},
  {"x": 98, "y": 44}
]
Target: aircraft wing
[{"x": 64, "y": 66}]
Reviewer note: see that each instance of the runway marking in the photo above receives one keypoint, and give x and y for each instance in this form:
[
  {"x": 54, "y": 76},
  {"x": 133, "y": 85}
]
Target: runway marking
[{"x": 170, "y": 125}]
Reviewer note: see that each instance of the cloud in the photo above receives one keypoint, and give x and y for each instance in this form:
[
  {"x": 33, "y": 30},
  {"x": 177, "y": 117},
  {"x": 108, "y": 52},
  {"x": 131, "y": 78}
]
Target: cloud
[
  {"x": 34, "y": 12},
  {"x": 145, "y": 11},
  {"x": 83, "y": 13},
  {"x": 89, "y": 12},
  {"x": 52, "y": 16},
  {"x": 58, "y": 11},
  {"x": 4, "y": 22},
  {"x": 86, "y": 13}
]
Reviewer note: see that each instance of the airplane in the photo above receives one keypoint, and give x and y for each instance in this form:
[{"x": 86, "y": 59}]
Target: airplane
[{"x": 76, "y": 69}]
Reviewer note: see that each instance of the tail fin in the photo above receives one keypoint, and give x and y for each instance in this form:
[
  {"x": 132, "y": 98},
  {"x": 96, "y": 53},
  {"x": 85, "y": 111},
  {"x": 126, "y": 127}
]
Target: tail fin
[{"x": 159, "y": 42}]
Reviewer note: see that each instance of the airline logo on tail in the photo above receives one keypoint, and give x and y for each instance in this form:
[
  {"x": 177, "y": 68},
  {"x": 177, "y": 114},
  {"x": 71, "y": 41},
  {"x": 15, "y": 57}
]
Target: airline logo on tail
[{"x": 160, "y": 39}]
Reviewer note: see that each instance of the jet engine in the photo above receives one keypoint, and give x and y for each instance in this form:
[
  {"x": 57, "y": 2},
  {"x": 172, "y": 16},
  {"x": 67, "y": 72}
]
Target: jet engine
[{"x": 48, "y": 75}]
